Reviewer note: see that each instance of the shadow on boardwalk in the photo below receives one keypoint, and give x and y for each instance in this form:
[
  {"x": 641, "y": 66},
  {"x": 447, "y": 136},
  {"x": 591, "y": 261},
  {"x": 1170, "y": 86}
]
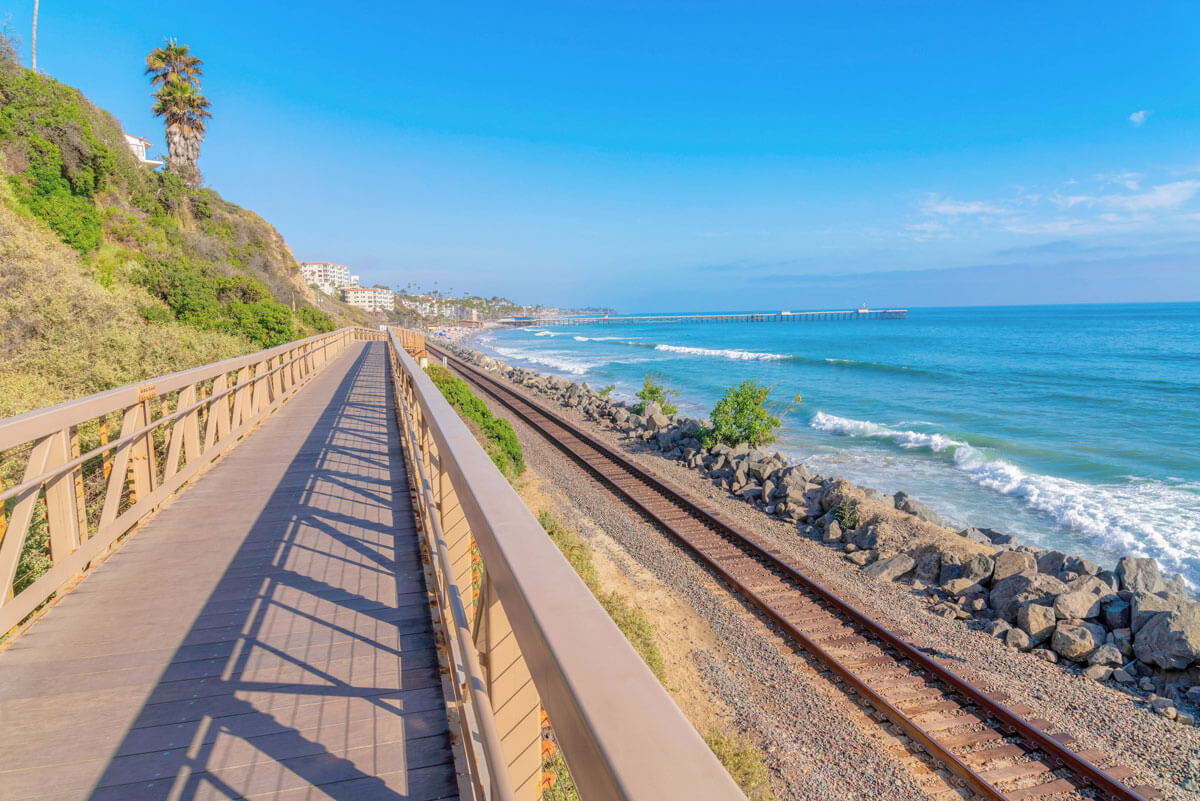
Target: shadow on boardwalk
[{"x": 310, "y": 670}]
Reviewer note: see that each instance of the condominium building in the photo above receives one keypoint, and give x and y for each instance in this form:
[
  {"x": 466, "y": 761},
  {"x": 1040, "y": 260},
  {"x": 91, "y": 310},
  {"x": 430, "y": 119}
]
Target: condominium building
[
  {"x": 328, "y": 277},
  {"x": 370, "y": 298}
]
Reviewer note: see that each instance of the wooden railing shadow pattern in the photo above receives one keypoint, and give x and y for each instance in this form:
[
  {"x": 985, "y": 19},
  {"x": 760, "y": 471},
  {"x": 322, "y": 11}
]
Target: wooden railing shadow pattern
[{"x": 305, "y": 668}]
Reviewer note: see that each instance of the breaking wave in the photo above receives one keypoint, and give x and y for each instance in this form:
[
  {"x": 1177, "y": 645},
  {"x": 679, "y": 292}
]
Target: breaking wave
[
  {"x": 1148, "y": 518},
  {"x": 723, "y": 353},
  {"x": 554, "y": 361}
]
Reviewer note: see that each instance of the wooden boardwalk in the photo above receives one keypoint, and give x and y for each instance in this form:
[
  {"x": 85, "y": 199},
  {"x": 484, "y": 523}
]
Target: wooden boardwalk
[{"x": 266, "y": 636}]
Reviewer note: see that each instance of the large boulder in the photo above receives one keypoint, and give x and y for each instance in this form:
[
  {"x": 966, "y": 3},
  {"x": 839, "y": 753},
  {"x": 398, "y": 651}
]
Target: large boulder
[
  {"x": 1088, "y": 583},
  {"x": 906, "y": 503},
  {"x": 1076, "y": 640},
  {"x": 1144, "y": 606},
  {"x": 1138, "y": 574},
  {"x": 650, "y": 409},
  {"x": 1076, "y": 605},
  {"x": 929, "y": 565},
  {"x": 893, "y": 568},
  {"x": 1115, "y": 611},
  {"x": 1171, "y": 640},
  {"x": 1008, "y": 595},
  {"x": 657, "y": 421},
  {"x": 1010, "y": 563},
  {"x": 1051, "y": 562},
  {"x": 1037, "y": 620},
  {"x": 955, "y": 565}
]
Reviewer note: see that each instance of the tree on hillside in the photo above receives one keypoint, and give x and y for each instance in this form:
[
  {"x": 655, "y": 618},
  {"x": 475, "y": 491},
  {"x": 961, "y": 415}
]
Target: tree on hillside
[
  {"x": 176, "y": 73},
  {"x": 33, "y": 47}
]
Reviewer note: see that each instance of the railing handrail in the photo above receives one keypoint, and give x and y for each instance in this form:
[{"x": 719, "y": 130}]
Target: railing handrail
[
  {"x": 621, "y": 733},
  {"x": 131, "y": 475},
  {"x": 36, "y": 423}
]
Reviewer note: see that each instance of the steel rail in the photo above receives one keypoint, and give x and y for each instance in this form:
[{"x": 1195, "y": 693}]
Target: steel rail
[
  {"x": 620, "y": 732},
  {"x": 1058, "y": 754}
]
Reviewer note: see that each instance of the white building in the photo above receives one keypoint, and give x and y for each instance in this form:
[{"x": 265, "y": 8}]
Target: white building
[
  {"x": 421, "y": 304},
  {"x": 328, "y": 277},
  {"x": 137, "y": 146},
  {"x": 372, "y": 299}
]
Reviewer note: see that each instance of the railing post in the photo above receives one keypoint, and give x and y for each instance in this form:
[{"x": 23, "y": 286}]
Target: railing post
[
  {"x": 515, "y": 702},
  {"x": 62, "y": 513},
  {"x": 457, "y": 532}
]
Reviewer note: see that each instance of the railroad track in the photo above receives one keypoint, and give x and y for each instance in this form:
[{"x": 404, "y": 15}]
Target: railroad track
[{"x": 1000, "y": 753}]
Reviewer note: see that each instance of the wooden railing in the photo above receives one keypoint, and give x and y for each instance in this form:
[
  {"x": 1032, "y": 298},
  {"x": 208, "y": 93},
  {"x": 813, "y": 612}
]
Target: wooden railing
[
  {"x": 523, "y": 633},
  {"x": 76, "y": 477}
]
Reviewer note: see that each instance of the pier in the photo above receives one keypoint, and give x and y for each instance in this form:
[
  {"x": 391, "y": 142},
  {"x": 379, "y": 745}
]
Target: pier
[{"x": 747, "y": 317}]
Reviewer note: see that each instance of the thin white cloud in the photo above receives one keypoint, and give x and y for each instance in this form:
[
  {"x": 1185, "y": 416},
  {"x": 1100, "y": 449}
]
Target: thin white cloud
[
  {"x": 924, "y": 231},
  {"x": 1139, "y": 117},
  {"x": 1130, "y": 180},
  {"x": 957, "y": 208},
  {"x": 1163, "y": 196}
]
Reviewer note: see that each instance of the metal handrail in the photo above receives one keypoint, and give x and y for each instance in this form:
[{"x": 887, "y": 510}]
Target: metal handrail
[
  {"x": 132, "y": 484},
  {"x": 491, "y": 771},
  {"x": 621, "y": 734},
  {"x": 30, "y": 425}
]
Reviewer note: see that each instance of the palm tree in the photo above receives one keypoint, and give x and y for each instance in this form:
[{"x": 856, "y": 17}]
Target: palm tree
[
  {"x": 173, "y": 62},
  {"x": 33, "y": 47},
  {"x": 176, "y": 73}
]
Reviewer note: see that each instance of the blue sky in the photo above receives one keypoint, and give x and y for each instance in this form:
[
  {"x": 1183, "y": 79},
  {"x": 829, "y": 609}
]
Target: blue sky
[{"x": 692, "y": 155}]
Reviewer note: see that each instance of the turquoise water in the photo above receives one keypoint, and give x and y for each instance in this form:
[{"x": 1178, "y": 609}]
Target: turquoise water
[{"x": 1074, "y": 427}]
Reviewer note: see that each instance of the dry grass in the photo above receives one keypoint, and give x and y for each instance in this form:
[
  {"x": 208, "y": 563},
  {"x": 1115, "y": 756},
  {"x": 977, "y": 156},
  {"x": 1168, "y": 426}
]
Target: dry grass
[{"x": 64, "y": 335}]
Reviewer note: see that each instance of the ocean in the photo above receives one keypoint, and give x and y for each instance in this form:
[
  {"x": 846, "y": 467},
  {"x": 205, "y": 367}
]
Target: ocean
[{"x": 1071, "y": 427}]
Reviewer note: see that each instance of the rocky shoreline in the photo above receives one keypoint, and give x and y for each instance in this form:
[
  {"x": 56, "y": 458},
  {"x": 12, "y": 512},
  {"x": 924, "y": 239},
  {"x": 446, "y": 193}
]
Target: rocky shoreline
[{"x": 1130, "y": 627}]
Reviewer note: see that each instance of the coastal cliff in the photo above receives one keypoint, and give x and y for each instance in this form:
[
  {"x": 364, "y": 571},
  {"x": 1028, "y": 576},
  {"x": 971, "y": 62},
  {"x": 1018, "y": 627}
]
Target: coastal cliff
[{"x": 110, "y": 271}]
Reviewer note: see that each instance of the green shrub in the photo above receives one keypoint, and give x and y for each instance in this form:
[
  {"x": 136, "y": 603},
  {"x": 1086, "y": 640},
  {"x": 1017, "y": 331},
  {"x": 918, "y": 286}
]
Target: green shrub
[
  {"x": 604, "y": 393},
  {"x": 317, "y": 320},
  {"x": 497, "y": 430},
  {"x": 744, "y": 761},
  {"x": 654, "y": 393},
  {"x": 741, "y": 417}
]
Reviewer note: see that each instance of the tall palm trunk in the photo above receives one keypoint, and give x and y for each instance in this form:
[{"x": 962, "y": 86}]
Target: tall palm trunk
[{"x": 33, "y": 49}]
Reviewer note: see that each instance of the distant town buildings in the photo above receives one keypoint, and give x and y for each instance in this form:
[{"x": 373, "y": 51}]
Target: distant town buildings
[
  {"x": 421, "y": 304},
  {"x": 137, "y": 146},
  {"x": 327, "y": 276},
  {"x": 370, "y": 298},
  {"x": 465, "y": 314}
]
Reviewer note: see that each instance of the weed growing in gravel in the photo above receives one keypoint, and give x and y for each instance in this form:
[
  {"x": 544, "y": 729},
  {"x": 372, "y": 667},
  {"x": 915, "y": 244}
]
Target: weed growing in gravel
[
  {"x": 744, "y": 761},
  {"x": 846, "y": 513}
]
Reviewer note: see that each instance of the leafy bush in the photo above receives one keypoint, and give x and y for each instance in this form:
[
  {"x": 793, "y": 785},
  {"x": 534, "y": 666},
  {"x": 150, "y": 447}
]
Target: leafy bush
[
  {"x": 317, "y": 320},
  {"x": 498, "y": 431},
  {"x": 606, "y": 391},
  {"x": 654, "y": 393},
  {"x": 741, "y": 417}
]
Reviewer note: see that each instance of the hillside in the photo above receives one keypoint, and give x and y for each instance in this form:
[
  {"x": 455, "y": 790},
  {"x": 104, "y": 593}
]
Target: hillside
[{"x": 111, "y": 272}]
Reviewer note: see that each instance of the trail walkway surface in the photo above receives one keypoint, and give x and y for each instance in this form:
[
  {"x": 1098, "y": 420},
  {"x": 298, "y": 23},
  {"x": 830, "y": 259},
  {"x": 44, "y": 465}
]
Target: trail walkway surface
[{"x": 266, "y": 636}]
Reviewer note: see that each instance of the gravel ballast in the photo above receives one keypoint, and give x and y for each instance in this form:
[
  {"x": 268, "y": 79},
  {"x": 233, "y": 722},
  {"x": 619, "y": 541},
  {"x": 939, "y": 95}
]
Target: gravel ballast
[{"x": 818, "y": 742}]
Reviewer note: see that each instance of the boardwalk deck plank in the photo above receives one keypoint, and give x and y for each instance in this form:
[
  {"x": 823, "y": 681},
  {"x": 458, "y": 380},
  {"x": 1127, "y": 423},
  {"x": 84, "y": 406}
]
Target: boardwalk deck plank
[{"x": 266, "y": 636}]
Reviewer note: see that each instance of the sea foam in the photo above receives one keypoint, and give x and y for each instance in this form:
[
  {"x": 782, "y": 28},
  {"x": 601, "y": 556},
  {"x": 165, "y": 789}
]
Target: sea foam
[
  {"x": 1147, "y": 518},
  {"x": 552, "y": 360},
  {"x": 723, "y": 353}
]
